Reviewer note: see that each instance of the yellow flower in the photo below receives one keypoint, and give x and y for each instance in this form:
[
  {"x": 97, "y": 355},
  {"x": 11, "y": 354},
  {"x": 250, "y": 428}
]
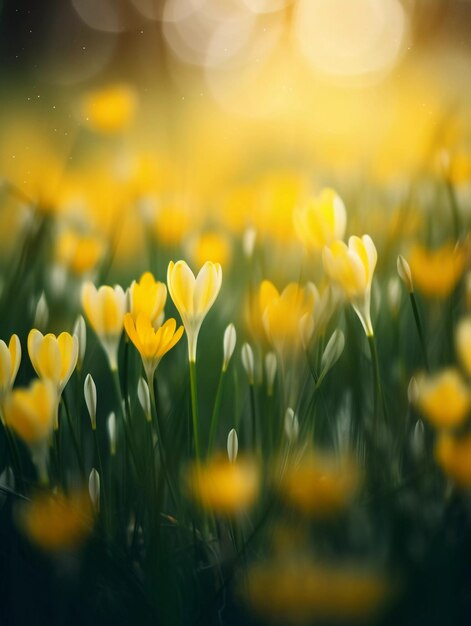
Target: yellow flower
[
  {"x": 213, "y": 246},
  {"x": 282, "y": 312},
  {"x": 193, "y": 297},
  {"x": 104, "y": 309},
  {"x": 31, "y": 411},
  {"x": 10, "y": 357},
  {"x": 148, "y": 297},
  {"x": 80, "y": 253},
  {"x": 319, "y": 484},
  {"x": 109, "y": 110},
  {"x": 352, "y": 267},
  {"x": 302, "y": 591},
  {"x": 321, "y": 221},
  {"x": 436, "y": 272},
  {"x": 151, "y": 344},
  {"x": 53, "y": 358},
  {"x": 224, "y": 486},
  {"x": 454, "y": 457},
  {"x": 172, "y": 223},
  {"x": 55, "y": 521},
  {"x": 444, "y": 398}
]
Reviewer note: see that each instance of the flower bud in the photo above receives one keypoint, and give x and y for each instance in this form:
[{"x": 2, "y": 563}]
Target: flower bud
[
  {"x": 80, "y": 331},
  {"x": 248, "y": 362},
  {"x": 41, "y": 315},
  {"x": 270, "y": 369},
  {"x": 143, "y": 395},
  {"x": 89, "y": 392},
  {"x": 112, "y": 432},
  {"x": 229, "y": 342},
  {"x": 413, "y": 391},
  {"x": 291, "y": 425},
  {"x": 418, "y": 437},
  {"x": 405, "y": 274},
  {"x": 94, "y": 488},
  {"x": 248, "y": 242},
  {"x": 333, "y": 351},
  {"x": 232, "y": 445}
]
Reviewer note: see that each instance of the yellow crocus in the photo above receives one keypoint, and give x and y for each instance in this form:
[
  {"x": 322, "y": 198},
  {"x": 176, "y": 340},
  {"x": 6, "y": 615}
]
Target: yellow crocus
[
  {"x": 55, "y": 521},
  {"x": 351, "y": 268},
  {"x": 152, "y": 344},
  {"x": 223, "y": 486},
  {"x": 104, "y": 309},
  {"x": 282, "y": 312},
  {"x": 321, "y": 221},
  {"x": 454, "y": 457},
  {"x": 111, "y": 109},
  {"x": 193, "y": 296},
  {"x": 444, "y": 398},
  {"x": 436, "y": 272},
  {"x": 53, "y": 358},
  {"x": 80, "y": 253},
  {"x": 319, "y": 484},
  {"x": 30, "y": 411},
  {"x": 463, "y": 343},
  {"x": 10, "y": 357},
  {"x": 211, "y": 245},
  {"x": 148, "y": 296}
]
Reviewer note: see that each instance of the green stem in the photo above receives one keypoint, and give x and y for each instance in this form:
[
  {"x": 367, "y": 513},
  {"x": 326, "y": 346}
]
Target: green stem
[
  {"x": 215, "y": 414},
  {"x": 378, "y": 390},
  {"x": 194, "y": 410},
  {"x": 253, "y": 409},
  {"x": 127, "y": 432},
  {"x": 454, "y": 209},
  {"x": 74, "y": 439},
  {"x": 420, "y": 331}
]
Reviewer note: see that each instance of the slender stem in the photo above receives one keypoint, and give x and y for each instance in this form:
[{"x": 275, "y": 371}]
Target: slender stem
[
  {"x": 127, "y": 432},
  {"x": 454, "y": 209},
  {"x": 215, "y": 414},
  {"x": 420, "y": 331},
  {"x": 378, "y": 390},
  {"x": 253, "y": 409},
  {"x": 74, "y": 438},
  {"x": 194, "y": 410},
  {"x": 15, "y": 457}
]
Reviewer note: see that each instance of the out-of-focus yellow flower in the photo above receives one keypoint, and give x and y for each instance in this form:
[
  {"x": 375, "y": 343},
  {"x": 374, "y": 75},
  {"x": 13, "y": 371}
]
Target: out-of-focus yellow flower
[
  {"x": 459, "y": 168},
  {"x": 193, "y": 297},
  {"x": 436, "y": 272},
  {"x": 463, "y": 343},
  {"x": 319, "y": 484},
  {"x": 300, "y": 591},
  {"x": 213, "y": 246},
  {"x": 321, "y": 221},
  {"x": 55, "y": 521},
  {"x": 104, "y": 309},
  {"x": 223, "y": 486},
  {"x": 352, "y": 267},
  {"x": 111, "y": 109},
  {"x": 172, "y": 223},
  {"x": 444, "y": 398},
  {"x": 10, "y": 358},
  {"x": 30, "y": 411},
  {"x": 454, "y": 457},
  {"x": 282, "y": 312},
  {"x": 148, "y": 297},
  {"x": 151, "y": 344},
  {"x": 80, "y": 253},
  {"x": 53, "y": 358}
]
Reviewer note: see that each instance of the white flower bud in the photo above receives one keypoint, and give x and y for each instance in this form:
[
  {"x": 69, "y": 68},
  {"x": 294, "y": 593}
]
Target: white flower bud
[
  {"x": 229, "y": 342},
  {"x": 306, "y": 329},
  {"x": 143, "y": 395},
  {"x": 80, "y": 331},
  {"x": 394, "y": 294},
  {"x": 248, "y": 362},
  {"x": 89, "y": 392},
  {"x": 413, "y": 391},
  {"x": 112, "y": 432},
  {"x": 418, "y": 438},
  {"x": 291, "y": 425},
  {"x": 232, "y": 445},
  {"x": 94, "y": 488},
  {"x": 333, "y": 351},
  {"x": 270, "y": 370},
  {"x": 248, "y": 242},
  {"x": 41, "y": 315},
  {"x": 405, "y": 274}
]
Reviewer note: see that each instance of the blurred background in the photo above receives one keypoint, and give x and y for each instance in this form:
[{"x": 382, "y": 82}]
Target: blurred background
[{"x": 196, "y": 107}]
